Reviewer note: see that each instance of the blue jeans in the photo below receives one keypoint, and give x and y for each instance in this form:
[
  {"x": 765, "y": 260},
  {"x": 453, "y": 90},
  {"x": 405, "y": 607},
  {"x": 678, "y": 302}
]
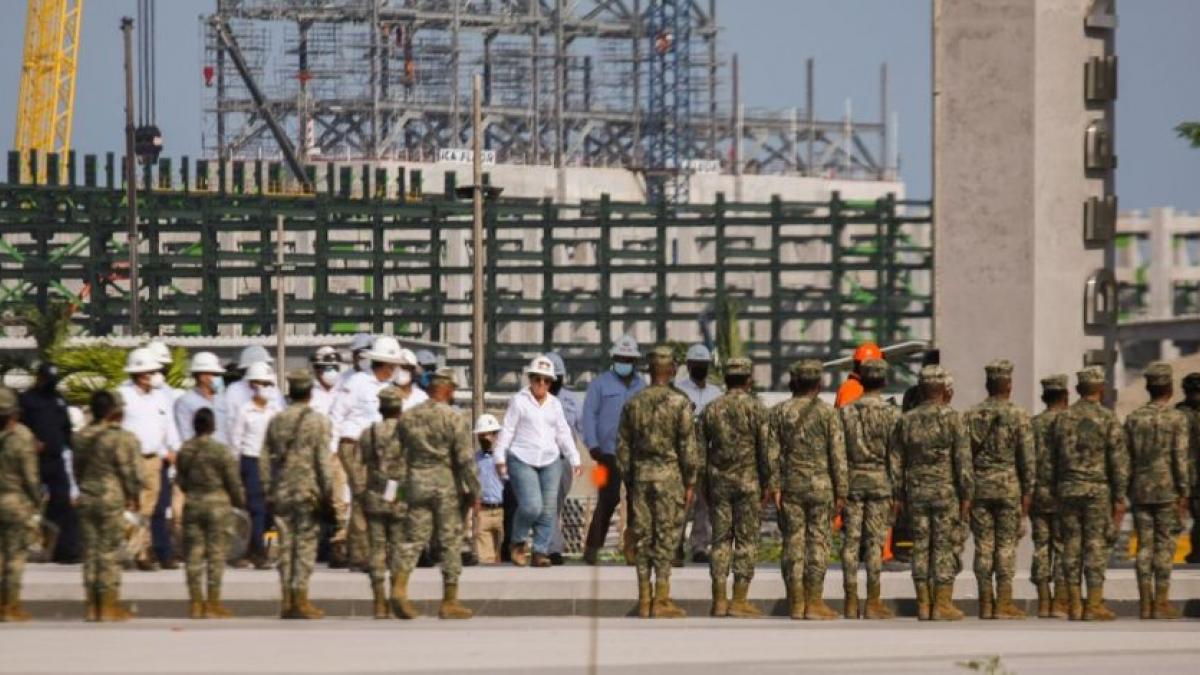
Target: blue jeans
[
  {"x": 536, "y": 488},
  {"x": 256, "y": 505}
]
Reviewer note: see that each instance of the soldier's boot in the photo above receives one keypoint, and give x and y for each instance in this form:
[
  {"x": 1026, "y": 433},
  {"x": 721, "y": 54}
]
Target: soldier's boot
[
  {"x": 720, "y": 601},
  {"x": 111, "y": 609},
  {"x": 850, "y": 601},
  {"x": 1145, "y": 599},
  {"x": 644, "y": 599},
  {"x": 1060, "y": 608},
  {"x": 287, "y": 603},
  {"x": 924, "y": 609},
  {"x": 740, "y": 607},
  {"x": 943, "y": 608},
  {"x": 1095, "y": 610},
  {"x": 304, "y": 608},
  {"x": 664, "y": 607},
  {"x": 1074, "y": 603},
  {"x": 15, "y": 612},
  {"x": 814, "y": 605},
  {"x": 1005, "y": 607},
  {"x": 987, "y": 604},
  {"x": 195, "y": 604},
  {"x": 1163, "y": 609},
  {"x": 1044, "y": 600},
  {"x": 451, "y": 608},
  {"x": 401, "y": 607},
  {"x": 382, "y": 610},
  {"x": 875, "y": 608},
  {"x": 91, "y": 604},
  {"x": 214, "y": 608}
]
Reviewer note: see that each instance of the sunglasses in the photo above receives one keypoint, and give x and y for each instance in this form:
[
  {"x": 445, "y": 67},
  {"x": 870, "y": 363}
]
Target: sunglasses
[{"x": 536, "y": 379}]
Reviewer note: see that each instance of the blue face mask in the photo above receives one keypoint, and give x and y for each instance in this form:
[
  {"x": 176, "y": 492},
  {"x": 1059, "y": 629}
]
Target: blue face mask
[
  {"x": 623, "y": 369},
  {"x": 218, "y": 384}
]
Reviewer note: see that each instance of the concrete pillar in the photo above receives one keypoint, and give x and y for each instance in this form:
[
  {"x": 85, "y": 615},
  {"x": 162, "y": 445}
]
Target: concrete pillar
[{"x": 1009, "y": 185}]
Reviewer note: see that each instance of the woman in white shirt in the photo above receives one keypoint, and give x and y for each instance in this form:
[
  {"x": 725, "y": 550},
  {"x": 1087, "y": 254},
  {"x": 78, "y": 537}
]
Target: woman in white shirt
[
  {"x": 246, "y": 439},
  {"x": 534, "y": 436}
]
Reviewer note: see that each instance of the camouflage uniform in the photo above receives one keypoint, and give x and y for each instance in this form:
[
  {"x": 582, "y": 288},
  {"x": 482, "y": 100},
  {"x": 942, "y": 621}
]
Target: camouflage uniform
[
  {"x": 1091, "y": 475},
  {"x": 383, "y": 461},
  {"x": 935, "y": 465},
  {"x": 105, "y": 463},
  {"x": 20, "y": 505},
  {"x": 740, "y": 460},
  {"x": 1190, "y": 407},
  {"x": 298, "y": 480},
  {"x": 658, "y": 456},
  {"x": 1157, "y": 437},
  {"x": 209, "y": 477},
  {"x": 813, "y": 475},
  {"x": 1043, "y": 513},
  {"x": 874, "y": 469},
  {"x": 1002, "y": 455}
]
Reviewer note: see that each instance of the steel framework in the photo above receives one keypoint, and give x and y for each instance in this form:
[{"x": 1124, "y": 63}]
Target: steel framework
[
  {"x": 46, "y": 100},
  {"x": 566, "y": 82}
]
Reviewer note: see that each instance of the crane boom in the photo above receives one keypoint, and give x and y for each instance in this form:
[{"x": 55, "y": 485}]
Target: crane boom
[{"x": 46, "y": 102}]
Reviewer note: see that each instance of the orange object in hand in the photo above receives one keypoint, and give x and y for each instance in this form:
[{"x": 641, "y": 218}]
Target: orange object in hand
[{"x": 600, "y": 475}]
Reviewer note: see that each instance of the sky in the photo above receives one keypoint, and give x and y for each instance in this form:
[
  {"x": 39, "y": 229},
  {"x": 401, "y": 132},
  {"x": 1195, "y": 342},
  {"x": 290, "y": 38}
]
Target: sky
[{"x": 1159, "y": 57}]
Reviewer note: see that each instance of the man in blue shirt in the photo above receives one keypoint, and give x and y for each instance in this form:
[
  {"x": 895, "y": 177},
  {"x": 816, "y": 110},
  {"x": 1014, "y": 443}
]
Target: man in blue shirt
[
  {"x": 602, "y": 406},
  {"x": 489, "y": 512}
]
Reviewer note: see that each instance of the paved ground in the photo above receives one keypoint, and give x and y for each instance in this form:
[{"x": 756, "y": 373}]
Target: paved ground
[{"x": 563, "y": 645}]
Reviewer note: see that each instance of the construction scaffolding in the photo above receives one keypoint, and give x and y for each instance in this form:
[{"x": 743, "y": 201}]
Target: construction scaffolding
[
  {"x": 638, "y": 84},
  {"x": 809, "y": 279}
]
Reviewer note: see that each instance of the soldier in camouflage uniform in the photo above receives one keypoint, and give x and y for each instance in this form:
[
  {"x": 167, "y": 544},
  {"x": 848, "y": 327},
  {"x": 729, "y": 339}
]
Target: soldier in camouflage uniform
[
  {"x": 209, "y": 478},
  {"x": 105, "y": 463},
  {"x": 1091, "y": 476},
  {"x": 740, "y": 470},
  {"x": 936, "y": 483},
  {"x": 439, "y": 451},
  {"x": 20, "y": 503},
  {"x": 1043, "y": 513},
  {"x": 1157, "y": 437},
  {"x": 813, "y": 478},
  {"x": 1190, "y": 406},
  {"x": 382, "y": 498},
  {"x": 873, "y": 469},
  {"x": 298, "y": 481},
  {"x": 1002, "y": 456},
  {"x": 658, "y": 456}
]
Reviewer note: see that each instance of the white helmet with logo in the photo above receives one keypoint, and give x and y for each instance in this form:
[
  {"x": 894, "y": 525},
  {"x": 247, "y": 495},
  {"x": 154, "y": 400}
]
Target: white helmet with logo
[
  {"x": 141, "y": 360},
  {"x": 206, "y": 362},
  {"x": 260, "y": 372},
  {"x": 386, "y": 349},
  {"x": 252, "y": 355},
  {"x": 627, "y": 347},
  {"x": 486, "y": 423},
  {"x": 540, "y": 365},
  {"x": 161, "y": 351},
  {"x": 407, "y": 358}
]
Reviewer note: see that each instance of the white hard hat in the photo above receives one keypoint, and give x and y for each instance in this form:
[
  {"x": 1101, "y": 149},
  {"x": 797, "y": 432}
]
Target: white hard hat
[
  {"x": 698, "y": 352},
  {"x": 625, "y": 346},
  {"x": 252, "y": 355},
  {"x": 206, "y": 362},
  {"x": 260, "y": 372},
  {"x": 161, "y": 351},
  {"x": 386, "y": 349},
  {"x": 427, "y": 359},
  {"x": 540, "y": 365},
  {"x": 361, "y": 341},
  {"x": 560, "y": 368},
  {"x": 407, "y": 358},
  {"x": 141, "y": 360},
  {"x": 487, "y": 423}
]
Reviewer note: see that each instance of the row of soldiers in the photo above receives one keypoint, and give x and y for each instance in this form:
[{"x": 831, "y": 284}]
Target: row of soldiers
[{"x": 1073, "y": 470}]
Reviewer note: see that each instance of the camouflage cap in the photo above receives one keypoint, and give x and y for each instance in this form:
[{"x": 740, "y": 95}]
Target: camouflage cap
[
  {"x": 873, "y": 368},
  {"x": 1158, "y": 374},
  {"x": 390, "y": 397},
  {"x": 1090, "y": 375},
  {"x": 806, "y": 370},
  {"x": 299, "y": 377},
  {"x": 661, "y": 354},
  {"x": 935, "y": 375},
  {"x": 1057, "y": 382},
  {"x": 1000, "y": 369},
  {"x": 1191, "y": 382},
  {"x": 738, "y": 366},
  {"x": 8, "y": 401},
  {"x": 444, "y": 376}
]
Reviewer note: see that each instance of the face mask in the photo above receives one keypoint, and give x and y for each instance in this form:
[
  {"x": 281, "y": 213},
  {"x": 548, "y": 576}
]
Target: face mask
[
  {"x": 329, "y": 377},
  {"x": 218, "y": 385},
  {"x": 157, "y": 380},
  {"x": 260, "y": 390},
  {"x": 364, "y": 365},
  {"x": 623, "y": 369},
  {"x": 699, "y": 373},
  {"x": 403, "y": 377},
  {"x": 555, "y": 387},
  {"x": 424, "y": 381}
]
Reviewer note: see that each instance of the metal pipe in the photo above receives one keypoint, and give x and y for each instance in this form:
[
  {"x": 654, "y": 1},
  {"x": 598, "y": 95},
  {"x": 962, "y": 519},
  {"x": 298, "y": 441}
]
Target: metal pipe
[
  {"x": 559, "y": 84},
  {"x": 280, "y": 318},
  {"x": 884, "y": 169},
  {"x": 135, "y": 309},
  {"x": 737, "y": 120},
  {"x": 477, "y": 291},
  {"x": 455, "y": 120},
  {"x": 812, "y": 117}
]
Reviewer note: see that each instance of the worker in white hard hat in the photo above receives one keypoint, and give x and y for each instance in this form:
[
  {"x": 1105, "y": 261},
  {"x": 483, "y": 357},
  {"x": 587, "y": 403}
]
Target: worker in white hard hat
[
  {"x": 162, "y": 354},
  {"x": 606, "y": 397},
  {"x": 572, "y": 404},
  {"x": 533, "y": 438},
  {"x": 326, "y": 365},
  {"x": 701, "y": 392},
  {"x": 208, "y": 391},
  {"x": 488, "y": 513},
  {"x": 246, "y": 432},
  {"x": 360, "y": 344},
  {"x": 238, "y": 393},
  {"x": 149, "y": 415}
]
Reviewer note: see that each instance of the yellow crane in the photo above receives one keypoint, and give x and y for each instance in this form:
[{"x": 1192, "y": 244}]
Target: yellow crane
[{"x": 46, "y": 102}]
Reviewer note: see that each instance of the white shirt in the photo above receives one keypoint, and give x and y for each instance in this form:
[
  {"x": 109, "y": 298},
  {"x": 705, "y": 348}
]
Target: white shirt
[
  {"x": 356, "y": 405},
  {"x": 250, "y": 428},
  {"x": 701, "y": 397},
  {"x": 239, "y": 394},
  {"x": 321, "y": 399},
  {"x": 415, "y": 398},
  {"x": 537, "y": 434},
  {"x": 151, "y": 417}
]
